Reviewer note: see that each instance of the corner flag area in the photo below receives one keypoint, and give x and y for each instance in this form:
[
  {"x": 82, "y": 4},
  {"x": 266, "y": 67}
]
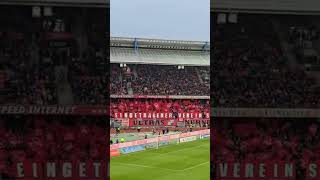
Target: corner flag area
[{"x": 186, "y": 161}]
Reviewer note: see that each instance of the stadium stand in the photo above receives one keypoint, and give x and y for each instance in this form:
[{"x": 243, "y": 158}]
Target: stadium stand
[
  {"x": 160, "y": 80},
  {"x": 154, "y": 77},
  {"x": 266, "y": 91},
  {"x": 40, "y": 138},
  {"x": 159, "y": 105},
  {"x": 264, "y": 140},
  {"x": 158, "y": 76},
  {"x": 88, "y": 82},
  {"x": 48, "y": 68},
  {"x": 251, "y": 69},
  {"x": 118, "y": 82},
  {"x": 153, "y": 80}
]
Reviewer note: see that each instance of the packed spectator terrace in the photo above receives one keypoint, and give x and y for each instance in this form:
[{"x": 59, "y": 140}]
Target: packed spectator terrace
[
  {"x": 252, "y": 68},
  {"x": 43, "y": 138},
  {"x": 271, "y": 99},
  {"x": 159, "y": 80},
  {"x": 159, "y": 67},
  {"x": 53, "y": 59},
  {"x": 160, "y": 105},
  {"x": 46, "y": 61},
  {"x": 266, "y": 140}
]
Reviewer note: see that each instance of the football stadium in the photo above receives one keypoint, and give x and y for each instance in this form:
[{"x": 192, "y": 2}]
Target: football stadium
[
  {"x": 266, "y": 82},
  {"x": 159, "y": 108}
]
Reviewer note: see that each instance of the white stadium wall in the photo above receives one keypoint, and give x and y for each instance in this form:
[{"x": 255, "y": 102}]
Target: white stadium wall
[{"x": 268, "y": 6}]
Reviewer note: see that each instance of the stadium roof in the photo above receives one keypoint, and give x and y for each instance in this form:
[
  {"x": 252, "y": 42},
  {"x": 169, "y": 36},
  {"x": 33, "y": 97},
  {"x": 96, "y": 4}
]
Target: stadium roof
[
  {"x": 267, "y": 6},
  {"x": 159, "y": 51},
  {"x": 66, "y": 3}
]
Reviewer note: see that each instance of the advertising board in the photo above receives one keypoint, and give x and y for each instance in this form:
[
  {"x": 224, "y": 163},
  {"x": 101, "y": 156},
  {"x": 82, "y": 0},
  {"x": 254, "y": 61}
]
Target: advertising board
[
  {"x": 131, "y": 149},
  {"x": 114, "y": 152},
  {"x": 188, "y": 139},
  {"x": 158, "y": 139},
  {"x": 204, "y": 136}
]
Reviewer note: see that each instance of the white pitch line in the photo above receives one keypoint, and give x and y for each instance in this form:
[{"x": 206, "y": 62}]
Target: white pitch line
[
  {"x": 143, "y": 166},
  {"x": 160, "y": 154},
  {"x": 192, "y": 167},
  {"x": 194, "y": 147}
]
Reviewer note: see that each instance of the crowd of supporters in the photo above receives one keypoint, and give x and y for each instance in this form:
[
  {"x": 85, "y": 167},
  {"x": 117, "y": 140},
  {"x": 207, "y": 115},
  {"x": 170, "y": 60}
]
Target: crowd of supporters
[
  {"x": 267, "y": 140},
  {"x": 23, "y": 81},
  {"x": 43, "y": 138},
  {"x": 250, "y": 69},
  {"x": 55, "y": 59},
  {"x": 159, "y": 106},
  {"x": 160, "y": 80},
  {"x": 42, "y": 60},
  {"x": 118, "y": 80},
  {"x": 89, "y": 80}
]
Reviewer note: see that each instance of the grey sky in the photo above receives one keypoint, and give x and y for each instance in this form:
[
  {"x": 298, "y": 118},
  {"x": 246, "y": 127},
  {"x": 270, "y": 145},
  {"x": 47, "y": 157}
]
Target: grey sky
[{"x": 164, "y": 19}]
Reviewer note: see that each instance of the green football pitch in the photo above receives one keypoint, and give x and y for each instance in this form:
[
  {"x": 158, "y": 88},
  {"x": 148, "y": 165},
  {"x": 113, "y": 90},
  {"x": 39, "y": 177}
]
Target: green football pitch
[{"x": 184, "y": 161}]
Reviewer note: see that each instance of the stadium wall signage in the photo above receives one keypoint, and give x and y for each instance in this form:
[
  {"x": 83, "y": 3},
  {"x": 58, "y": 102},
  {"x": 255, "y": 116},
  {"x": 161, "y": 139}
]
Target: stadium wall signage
[
  {"x": 265, "y": 112},
  {"x": 150, "y": 145},
  {"x": 61, "y": 170},
  {"x": 158, "y": 97},
  {"x": 255, "y": 170},
  {"x": 114, "y": 152},
  {"x": 206, "y": 121},
  {"x": 158, "y": 139},
  {"x": 151, "y": 123},
  {"x": 53, "y": 110},
  {"x": 171, "y": 122},
  {"x": 188, "y": 139},
  {"x": 123, "y": 122},
  {"x": 279, "y": 170},
  {"x": 204, "y": 136},
  {"x": 162, "y": 143},
  {"x": 147, "y": 115},
  {"x": 131, "y": 149}
]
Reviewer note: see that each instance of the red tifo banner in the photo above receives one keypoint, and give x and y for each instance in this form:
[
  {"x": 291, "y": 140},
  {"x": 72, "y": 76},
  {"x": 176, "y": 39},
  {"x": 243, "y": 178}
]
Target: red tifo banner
[
  {"x": 163, "y": 122},
  {"x": 96, "y": 110},
  {"x": 160, "y": 115}
]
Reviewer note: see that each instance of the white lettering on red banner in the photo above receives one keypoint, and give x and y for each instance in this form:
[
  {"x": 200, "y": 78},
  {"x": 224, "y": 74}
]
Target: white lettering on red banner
[
  {"x": 62, "y": 170},
  {"x": 145, "y": 115},
  {"x": 255, "y": 170}
]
